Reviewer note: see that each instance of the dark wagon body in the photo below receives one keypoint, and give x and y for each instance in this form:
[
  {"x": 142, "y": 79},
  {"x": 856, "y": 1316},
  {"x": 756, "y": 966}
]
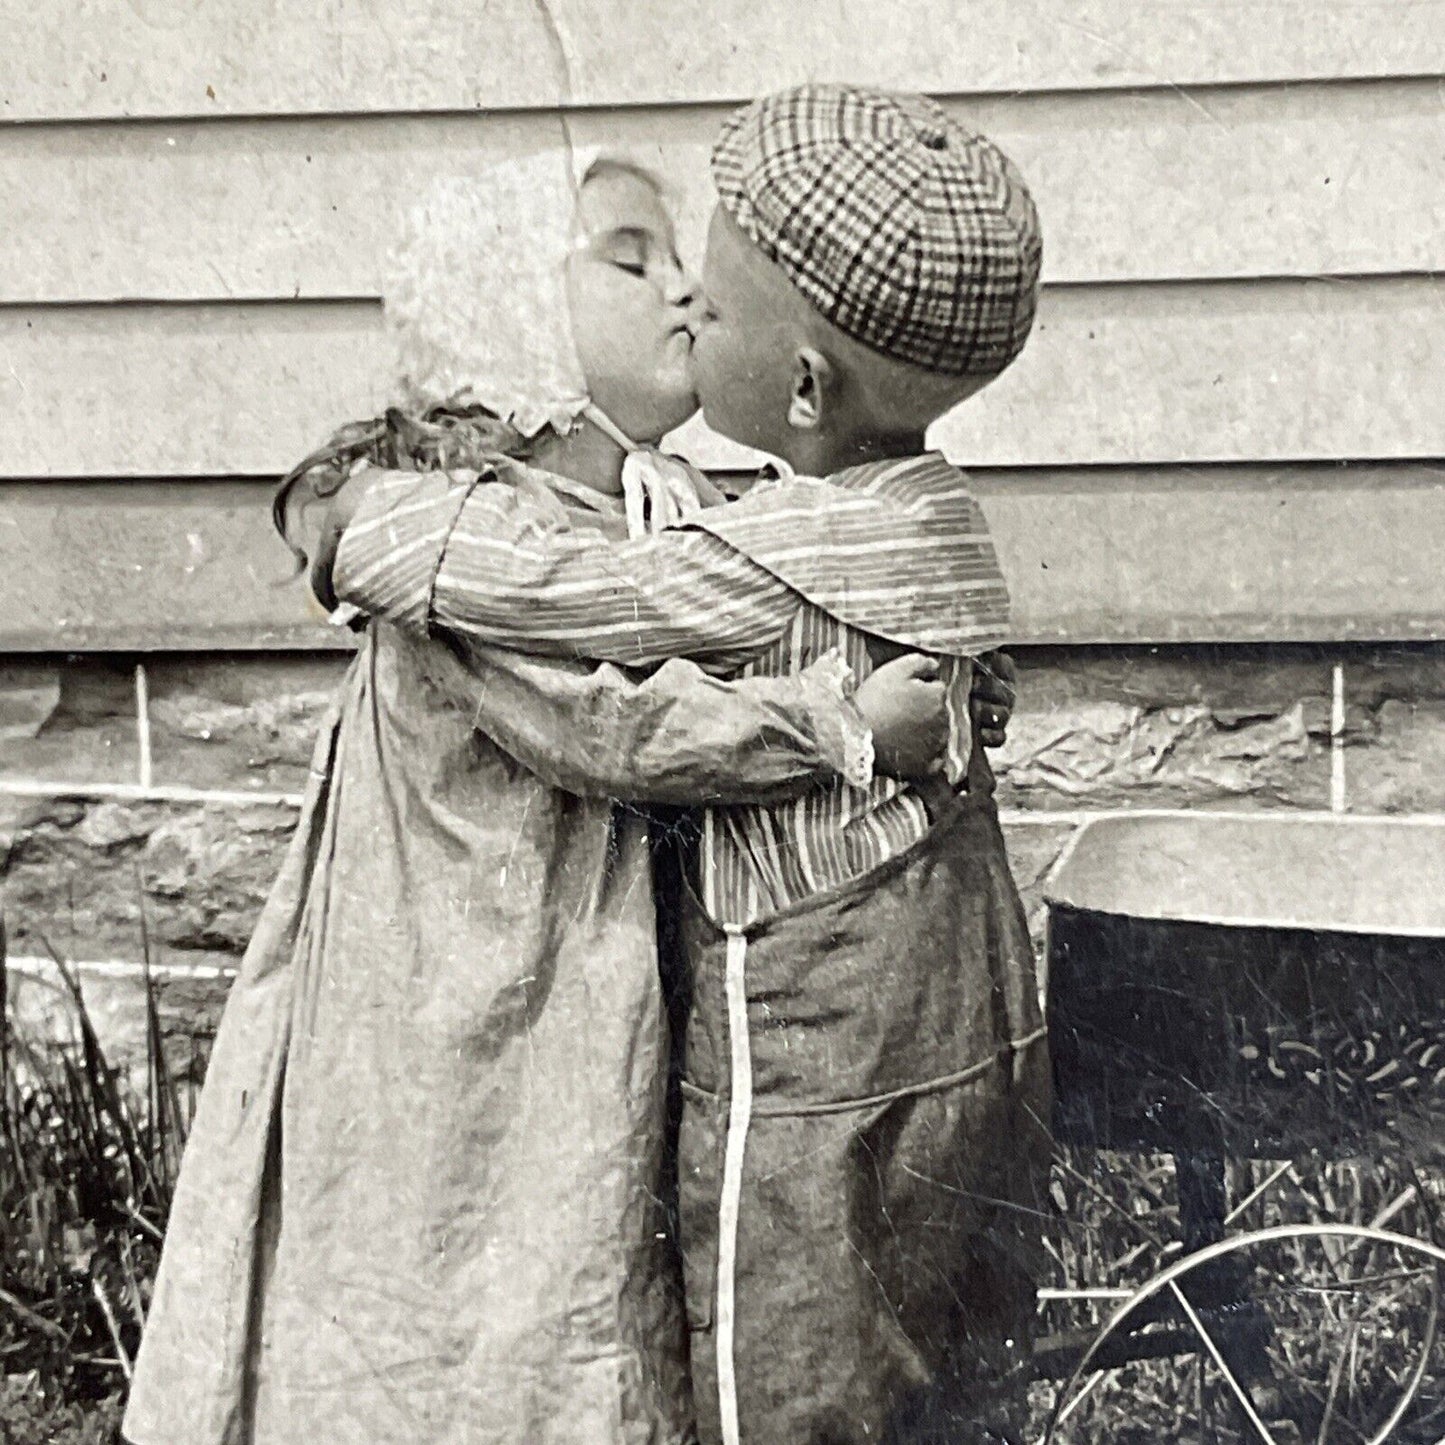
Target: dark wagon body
[
  {"x": 1269, "y": 987},
  {"x": 1224, "y": 987}
]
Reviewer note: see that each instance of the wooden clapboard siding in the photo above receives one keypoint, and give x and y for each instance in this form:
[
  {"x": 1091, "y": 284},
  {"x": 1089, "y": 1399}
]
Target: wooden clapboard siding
[
  {"x": 199, "y": 197},
  {"x": 1221, "y": 553},
  {"x": 1133, "y": 185},
  {"x": 178, "y": 390},
  {"x": 163, "y": 58},
  {"x": 1127, "y": 555},
  {"x": 1268, "y": 370},
  {"x": 147, "y": 566},
  {"x": 1224, "y": 372}
]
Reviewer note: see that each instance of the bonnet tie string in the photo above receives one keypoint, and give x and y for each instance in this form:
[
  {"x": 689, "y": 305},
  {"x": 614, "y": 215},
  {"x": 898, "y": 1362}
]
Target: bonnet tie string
[{"x": 658, "y": 491}]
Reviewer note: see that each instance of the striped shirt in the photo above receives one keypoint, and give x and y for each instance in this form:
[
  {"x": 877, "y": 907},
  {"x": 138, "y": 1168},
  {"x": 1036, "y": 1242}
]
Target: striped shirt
[
  {"x": 502, "y": 564},
  {"x": 756, "y": 860}
]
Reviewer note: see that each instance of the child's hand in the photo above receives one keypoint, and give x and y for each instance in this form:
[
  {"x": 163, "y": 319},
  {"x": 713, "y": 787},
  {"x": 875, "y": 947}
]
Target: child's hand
[
  {"x": 991, "y": 701},
  {"x": 341, "y": 507},
  {"x": 903, "y": 703}
]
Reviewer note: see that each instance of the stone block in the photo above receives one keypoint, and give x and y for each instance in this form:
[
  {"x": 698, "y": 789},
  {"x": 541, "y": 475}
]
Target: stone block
[
  {"x": 1033, "y": 849},
  {"x": 188, "y": 1008},
  {"x": 68, "y": 721},
  {"x": 239, "y": 722},
  {"x": 1159, "y": 727},
  {"x": 1395, "y": 756},
  {"x": 1400, "y": 766},
  {"x": 106, "y": 880},
  {"x": 1402, "y": 671}
]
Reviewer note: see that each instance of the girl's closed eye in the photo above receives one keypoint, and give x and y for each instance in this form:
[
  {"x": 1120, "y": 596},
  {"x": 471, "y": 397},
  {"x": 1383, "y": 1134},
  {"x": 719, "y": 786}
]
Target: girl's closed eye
[{"x": 628, "y": 250}]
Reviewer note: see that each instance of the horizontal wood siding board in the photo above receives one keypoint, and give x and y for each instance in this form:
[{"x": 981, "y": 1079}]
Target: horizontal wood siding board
[
  {"x": 160, "y": 58},
  {"x": 1216, "y": 372},
  {"x": 1229, "y": 554},
  {"x": 1132, "y": 185},
  {"x": 139, "y": 566},
  {"x": 1225, "y": 372},
  {"x": 173, "y": 390},
  {"x": 1222, "y": 554}
]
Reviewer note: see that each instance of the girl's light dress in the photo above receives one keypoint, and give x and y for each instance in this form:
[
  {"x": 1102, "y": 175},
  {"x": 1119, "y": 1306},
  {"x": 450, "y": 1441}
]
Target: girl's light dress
[{"x": 421, "y": 1203}]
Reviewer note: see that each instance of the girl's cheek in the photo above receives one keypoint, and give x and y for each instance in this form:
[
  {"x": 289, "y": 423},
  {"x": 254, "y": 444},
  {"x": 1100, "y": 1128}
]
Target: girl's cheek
[
  {"x": 602, "y": 321},
  {"x": 630, "y": 338}
]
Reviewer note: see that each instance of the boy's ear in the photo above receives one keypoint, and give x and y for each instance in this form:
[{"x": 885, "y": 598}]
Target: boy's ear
[{"x": 812, "y": 388}]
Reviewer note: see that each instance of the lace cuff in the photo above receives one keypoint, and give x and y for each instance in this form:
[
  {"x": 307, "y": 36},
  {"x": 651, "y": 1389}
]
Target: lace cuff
[{"x": 842, "y": 730}]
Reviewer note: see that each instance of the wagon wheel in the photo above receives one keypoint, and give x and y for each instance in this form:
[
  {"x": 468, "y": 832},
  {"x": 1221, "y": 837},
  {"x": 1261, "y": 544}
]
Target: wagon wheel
[{"x": 1376, "y": 1275}]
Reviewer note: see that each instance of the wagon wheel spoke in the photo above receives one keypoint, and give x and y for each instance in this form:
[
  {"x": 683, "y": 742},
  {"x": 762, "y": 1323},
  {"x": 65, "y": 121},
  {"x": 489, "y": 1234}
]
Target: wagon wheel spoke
[
  {"x": 1083, "y": 1393},
  {"x": 1258, "y": 1192},
  {"x": 1369, "y": 1274},
  {"x": 1366, "y": 1296},
  {"x": 1240, "y": 1393}
]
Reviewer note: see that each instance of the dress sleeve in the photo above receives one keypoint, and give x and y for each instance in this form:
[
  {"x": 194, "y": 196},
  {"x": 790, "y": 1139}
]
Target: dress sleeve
[
  {"x": 490, "y": 562},
  {"x": 674, "y": 735}
]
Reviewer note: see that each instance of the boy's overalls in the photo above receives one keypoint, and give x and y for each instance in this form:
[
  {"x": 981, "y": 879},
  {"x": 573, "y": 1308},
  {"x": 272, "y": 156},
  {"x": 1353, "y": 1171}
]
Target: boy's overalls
[{"x": 864, "y": 1151}]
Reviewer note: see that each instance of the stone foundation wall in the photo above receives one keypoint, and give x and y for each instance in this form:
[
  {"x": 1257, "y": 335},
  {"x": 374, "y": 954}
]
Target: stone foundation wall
[{"x": 144, "y": 809}]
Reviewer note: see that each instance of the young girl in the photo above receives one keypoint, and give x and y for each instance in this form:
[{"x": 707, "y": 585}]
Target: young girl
[{"x": 421, "y": 1199}]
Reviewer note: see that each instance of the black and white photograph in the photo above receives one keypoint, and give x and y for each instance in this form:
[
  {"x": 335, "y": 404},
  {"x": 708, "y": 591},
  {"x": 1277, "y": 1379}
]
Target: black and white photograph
[{"x": 722, "y": 723}]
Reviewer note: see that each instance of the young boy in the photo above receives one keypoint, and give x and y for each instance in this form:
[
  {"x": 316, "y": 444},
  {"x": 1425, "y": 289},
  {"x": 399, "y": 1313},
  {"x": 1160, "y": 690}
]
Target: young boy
[{"x": 864, "y": 1134}]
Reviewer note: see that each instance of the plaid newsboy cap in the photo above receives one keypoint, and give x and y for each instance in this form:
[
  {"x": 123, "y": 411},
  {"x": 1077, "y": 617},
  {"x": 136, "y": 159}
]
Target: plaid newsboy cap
[{"x": 903, "y": 228}]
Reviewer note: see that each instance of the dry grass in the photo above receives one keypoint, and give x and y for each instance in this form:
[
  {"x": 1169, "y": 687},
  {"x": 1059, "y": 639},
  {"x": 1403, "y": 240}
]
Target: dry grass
[
  {"x": 1351, "y": 1325},
  {"x": 86, "y": 1175},
  {"x": 89, "y": 1166}
]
